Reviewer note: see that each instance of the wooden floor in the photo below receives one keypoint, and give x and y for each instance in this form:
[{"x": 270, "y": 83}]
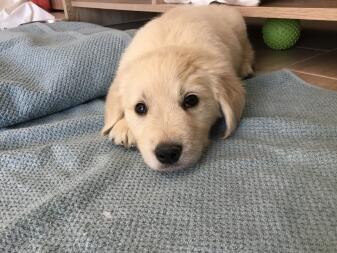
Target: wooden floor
[{"x": 314, "y": 58}]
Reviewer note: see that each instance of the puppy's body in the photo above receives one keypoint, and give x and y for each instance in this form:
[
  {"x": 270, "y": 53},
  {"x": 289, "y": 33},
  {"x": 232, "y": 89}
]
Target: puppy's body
[
  {"x": 198, "y": 51},
  {"x": 219, "y": 30}
]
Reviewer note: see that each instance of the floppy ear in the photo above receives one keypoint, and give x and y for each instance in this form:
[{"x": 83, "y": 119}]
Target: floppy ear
[
  {"x": 227, "y": 88},
  {"x": 113, "y": 109},
  {"x": 230, "y": 94}
]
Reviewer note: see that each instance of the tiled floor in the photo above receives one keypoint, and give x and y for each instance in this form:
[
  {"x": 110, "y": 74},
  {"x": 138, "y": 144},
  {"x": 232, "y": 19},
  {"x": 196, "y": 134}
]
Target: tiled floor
[{"x": 314, "y": 58}]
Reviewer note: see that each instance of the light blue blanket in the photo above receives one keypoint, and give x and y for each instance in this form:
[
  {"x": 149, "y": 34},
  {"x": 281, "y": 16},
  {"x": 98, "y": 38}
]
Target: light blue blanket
[
  {"x": 48, "y": 68},
  {"x": 272, "y": 187}
]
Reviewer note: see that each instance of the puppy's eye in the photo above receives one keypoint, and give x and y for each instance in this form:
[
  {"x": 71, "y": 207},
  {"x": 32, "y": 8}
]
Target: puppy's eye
[
  {"x": 141, "y": 109},
  {"x": 190, "y": 101}
]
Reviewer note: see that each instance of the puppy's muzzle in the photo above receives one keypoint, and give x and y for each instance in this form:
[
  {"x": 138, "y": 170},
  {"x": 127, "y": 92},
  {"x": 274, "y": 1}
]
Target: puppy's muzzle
[{"x": 168, "y": 153}]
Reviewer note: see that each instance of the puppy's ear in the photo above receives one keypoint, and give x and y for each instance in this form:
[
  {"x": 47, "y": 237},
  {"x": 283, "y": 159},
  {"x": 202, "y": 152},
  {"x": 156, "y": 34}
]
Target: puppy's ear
[
  {"x": 227, "y": 88},
  {"x": 230, "y": 94},
  {"x": 113, "y": 109}
]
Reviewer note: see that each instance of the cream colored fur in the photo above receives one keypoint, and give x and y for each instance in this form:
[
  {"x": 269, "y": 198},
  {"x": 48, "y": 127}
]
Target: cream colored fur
[{"x": 199, "y": 50}]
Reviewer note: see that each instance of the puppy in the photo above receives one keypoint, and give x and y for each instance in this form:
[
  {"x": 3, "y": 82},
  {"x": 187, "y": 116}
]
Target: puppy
[{"x": 179, "y": 75}]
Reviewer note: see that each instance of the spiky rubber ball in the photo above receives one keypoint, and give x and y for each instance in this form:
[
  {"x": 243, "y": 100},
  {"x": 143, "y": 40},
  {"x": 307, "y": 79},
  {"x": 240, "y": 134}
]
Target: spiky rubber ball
[{"x": 281, "y": 34}]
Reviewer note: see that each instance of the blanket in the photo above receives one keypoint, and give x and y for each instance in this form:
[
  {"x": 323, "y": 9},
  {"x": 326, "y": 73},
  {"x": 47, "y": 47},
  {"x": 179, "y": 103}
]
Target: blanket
[
  {"x": 271, "y": 187},
  {"x": 45, "y": 68}
]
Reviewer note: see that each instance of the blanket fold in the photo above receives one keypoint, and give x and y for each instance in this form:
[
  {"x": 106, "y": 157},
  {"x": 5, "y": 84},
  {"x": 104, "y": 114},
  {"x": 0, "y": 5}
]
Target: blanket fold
[{"x": 46, "y": 68}]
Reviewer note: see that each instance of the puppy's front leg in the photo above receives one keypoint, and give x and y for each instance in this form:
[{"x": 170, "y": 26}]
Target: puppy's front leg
[{"x": 122, "y": 135}]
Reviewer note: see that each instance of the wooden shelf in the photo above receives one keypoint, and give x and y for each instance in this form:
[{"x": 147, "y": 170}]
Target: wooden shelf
[
  {"x": 127, "y": 5},
  {"x": 292, "y": 9}
]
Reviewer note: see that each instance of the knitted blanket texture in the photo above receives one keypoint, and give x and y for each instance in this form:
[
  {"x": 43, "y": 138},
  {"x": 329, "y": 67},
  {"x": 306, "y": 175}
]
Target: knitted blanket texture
[{"x": 271, "y": 187}]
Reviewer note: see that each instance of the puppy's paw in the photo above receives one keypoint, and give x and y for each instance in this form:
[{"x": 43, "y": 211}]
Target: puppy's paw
[
  {"x": 121, "y": 134},
  {"x": 247, "y": 71}
]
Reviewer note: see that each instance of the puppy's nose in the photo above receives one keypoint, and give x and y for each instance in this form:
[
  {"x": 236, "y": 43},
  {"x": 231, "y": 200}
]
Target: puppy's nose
[{"x": 168, "y": 153}]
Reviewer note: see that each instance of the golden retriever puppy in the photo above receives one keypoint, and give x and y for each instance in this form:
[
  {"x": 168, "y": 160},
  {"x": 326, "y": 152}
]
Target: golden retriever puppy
[{"x": 178, "y": 76}]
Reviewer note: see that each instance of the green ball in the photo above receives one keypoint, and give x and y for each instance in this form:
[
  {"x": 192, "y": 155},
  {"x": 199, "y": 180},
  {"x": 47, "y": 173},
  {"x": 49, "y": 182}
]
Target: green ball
[{"x": 281, "y": 34}]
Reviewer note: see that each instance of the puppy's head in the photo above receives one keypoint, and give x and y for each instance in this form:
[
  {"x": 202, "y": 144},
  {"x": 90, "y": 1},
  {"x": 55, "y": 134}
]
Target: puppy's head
[{"x": 170, "y": 99}]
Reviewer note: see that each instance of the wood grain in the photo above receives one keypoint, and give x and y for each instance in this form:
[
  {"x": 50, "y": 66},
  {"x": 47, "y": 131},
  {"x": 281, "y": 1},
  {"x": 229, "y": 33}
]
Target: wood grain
[
  {"x": 57, "y": 4},
  {"x": 323, "y": 82},
  {"x": 69, "y": 11},
  {"x": 300, "y": 9},
  {"x": 323, "y": 65},
  {"x": 121, "y": 5},
  {"x": 269, "y": 60},
  {"x": 328, "y": 14},
  {"x": 300, "y": 3}
]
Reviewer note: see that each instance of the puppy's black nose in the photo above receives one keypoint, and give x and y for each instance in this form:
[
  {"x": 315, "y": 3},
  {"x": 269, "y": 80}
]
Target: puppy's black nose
[{"x": 168, "y": 153}]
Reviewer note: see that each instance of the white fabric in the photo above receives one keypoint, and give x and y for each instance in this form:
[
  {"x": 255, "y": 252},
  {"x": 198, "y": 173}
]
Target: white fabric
[
  {"x": 206, "y": 2},
  {"x": 24, "y": 13}
]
